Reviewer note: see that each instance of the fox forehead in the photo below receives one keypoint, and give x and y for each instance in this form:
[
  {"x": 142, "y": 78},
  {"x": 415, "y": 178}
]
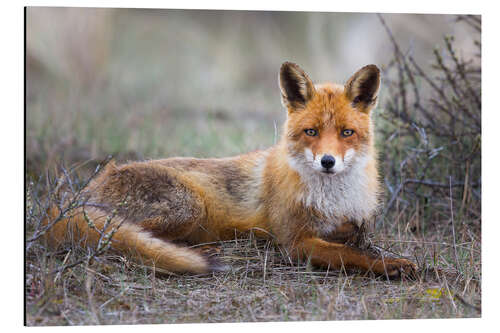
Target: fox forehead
[{"x": 329, "y": 109}]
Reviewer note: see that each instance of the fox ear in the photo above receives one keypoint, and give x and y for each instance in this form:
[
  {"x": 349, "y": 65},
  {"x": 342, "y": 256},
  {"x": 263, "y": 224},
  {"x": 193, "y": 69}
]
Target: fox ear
[
  {"x": 296, "y": 87},
  {"x": 362, "y": 88}
]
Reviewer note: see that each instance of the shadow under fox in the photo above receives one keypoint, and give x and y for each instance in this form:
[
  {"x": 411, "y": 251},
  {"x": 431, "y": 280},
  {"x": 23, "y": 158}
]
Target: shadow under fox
[{"x": 312, "y": 191}]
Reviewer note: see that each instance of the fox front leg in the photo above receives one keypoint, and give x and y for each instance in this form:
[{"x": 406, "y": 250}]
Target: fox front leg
[{"x": 336, "y": 255}]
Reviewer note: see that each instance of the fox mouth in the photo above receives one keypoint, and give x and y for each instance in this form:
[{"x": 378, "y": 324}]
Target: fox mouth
[{"x": 328, "y": 171}]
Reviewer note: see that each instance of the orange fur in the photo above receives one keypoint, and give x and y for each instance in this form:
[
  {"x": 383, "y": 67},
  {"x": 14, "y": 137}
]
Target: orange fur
[{"x": 287, "y": 191}]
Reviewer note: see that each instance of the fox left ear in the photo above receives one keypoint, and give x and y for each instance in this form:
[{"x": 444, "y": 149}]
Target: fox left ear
[
  {"x": 362, "y": 88},
  {"x": 296, "y": 87}
]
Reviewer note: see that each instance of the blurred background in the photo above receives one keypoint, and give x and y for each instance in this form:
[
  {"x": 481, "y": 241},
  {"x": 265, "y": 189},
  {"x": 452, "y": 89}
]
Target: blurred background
[{"x": 150, "y": 83}]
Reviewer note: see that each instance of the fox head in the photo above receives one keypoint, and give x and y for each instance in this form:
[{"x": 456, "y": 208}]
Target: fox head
[{"x": 328, "y": 128}]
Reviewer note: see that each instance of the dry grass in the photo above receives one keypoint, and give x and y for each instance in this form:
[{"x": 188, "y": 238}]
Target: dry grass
[{"x": 261, "y": 286}]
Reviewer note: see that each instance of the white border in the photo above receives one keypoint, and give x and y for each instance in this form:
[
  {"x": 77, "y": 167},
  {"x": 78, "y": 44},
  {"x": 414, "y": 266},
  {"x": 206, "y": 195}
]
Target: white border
[
  {"x": 12, "y": 167},
  {"x": 383, "y": 6}
]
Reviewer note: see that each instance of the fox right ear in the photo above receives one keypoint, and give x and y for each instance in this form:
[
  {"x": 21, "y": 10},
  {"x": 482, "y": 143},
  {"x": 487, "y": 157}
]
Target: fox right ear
[
  {"x": 362, "y": 88},
  {"x": 296, "y": 87}
]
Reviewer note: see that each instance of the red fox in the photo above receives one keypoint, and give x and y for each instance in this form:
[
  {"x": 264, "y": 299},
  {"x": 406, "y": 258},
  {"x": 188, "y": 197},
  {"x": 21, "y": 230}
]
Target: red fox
[{"x": 311, "y": 191}]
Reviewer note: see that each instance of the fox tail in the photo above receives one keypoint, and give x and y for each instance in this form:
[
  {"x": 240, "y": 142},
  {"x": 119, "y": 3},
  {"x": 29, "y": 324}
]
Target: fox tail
[{"x": 87, "y": 227}]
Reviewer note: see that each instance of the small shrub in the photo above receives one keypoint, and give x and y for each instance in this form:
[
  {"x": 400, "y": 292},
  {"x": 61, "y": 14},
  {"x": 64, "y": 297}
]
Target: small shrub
[{"x": 431, "y": 136}]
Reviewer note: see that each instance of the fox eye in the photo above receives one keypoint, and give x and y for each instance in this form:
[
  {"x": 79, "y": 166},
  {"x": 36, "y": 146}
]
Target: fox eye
[
  {"x": 347, "y": 132},
  {"x": 311, "y": 132}
]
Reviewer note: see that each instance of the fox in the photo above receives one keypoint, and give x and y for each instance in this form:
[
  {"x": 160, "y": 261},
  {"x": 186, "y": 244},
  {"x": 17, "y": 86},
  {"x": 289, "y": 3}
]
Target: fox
[{"x": 311, "y": 192}]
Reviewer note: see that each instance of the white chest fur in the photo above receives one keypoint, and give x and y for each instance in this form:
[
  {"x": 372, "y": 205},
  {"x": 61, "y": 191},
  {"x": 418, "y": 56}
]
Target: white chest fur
[{"x": 346, "y": 195}]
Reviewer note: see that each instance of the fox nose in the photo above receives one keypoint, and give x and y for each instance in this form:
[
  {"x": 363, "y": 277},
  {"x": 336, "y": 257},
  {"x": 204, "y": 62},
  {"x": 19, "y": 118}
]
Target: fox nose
[{"x": 327, "y": 161}]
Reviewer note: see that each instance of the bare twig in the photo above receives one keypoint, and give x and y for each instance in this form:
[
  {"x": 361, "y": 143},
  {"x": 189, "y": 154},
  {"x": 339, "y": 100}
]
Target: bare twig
[
  {"x": 457, "y": 262},
  {"x": 76, "y": 201}
]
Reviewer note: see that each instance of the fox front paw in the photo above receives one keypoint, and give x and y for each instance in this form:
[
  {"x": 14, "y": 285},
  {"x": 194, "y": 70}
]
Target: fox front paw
[{"x": 396, "y": 268}]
